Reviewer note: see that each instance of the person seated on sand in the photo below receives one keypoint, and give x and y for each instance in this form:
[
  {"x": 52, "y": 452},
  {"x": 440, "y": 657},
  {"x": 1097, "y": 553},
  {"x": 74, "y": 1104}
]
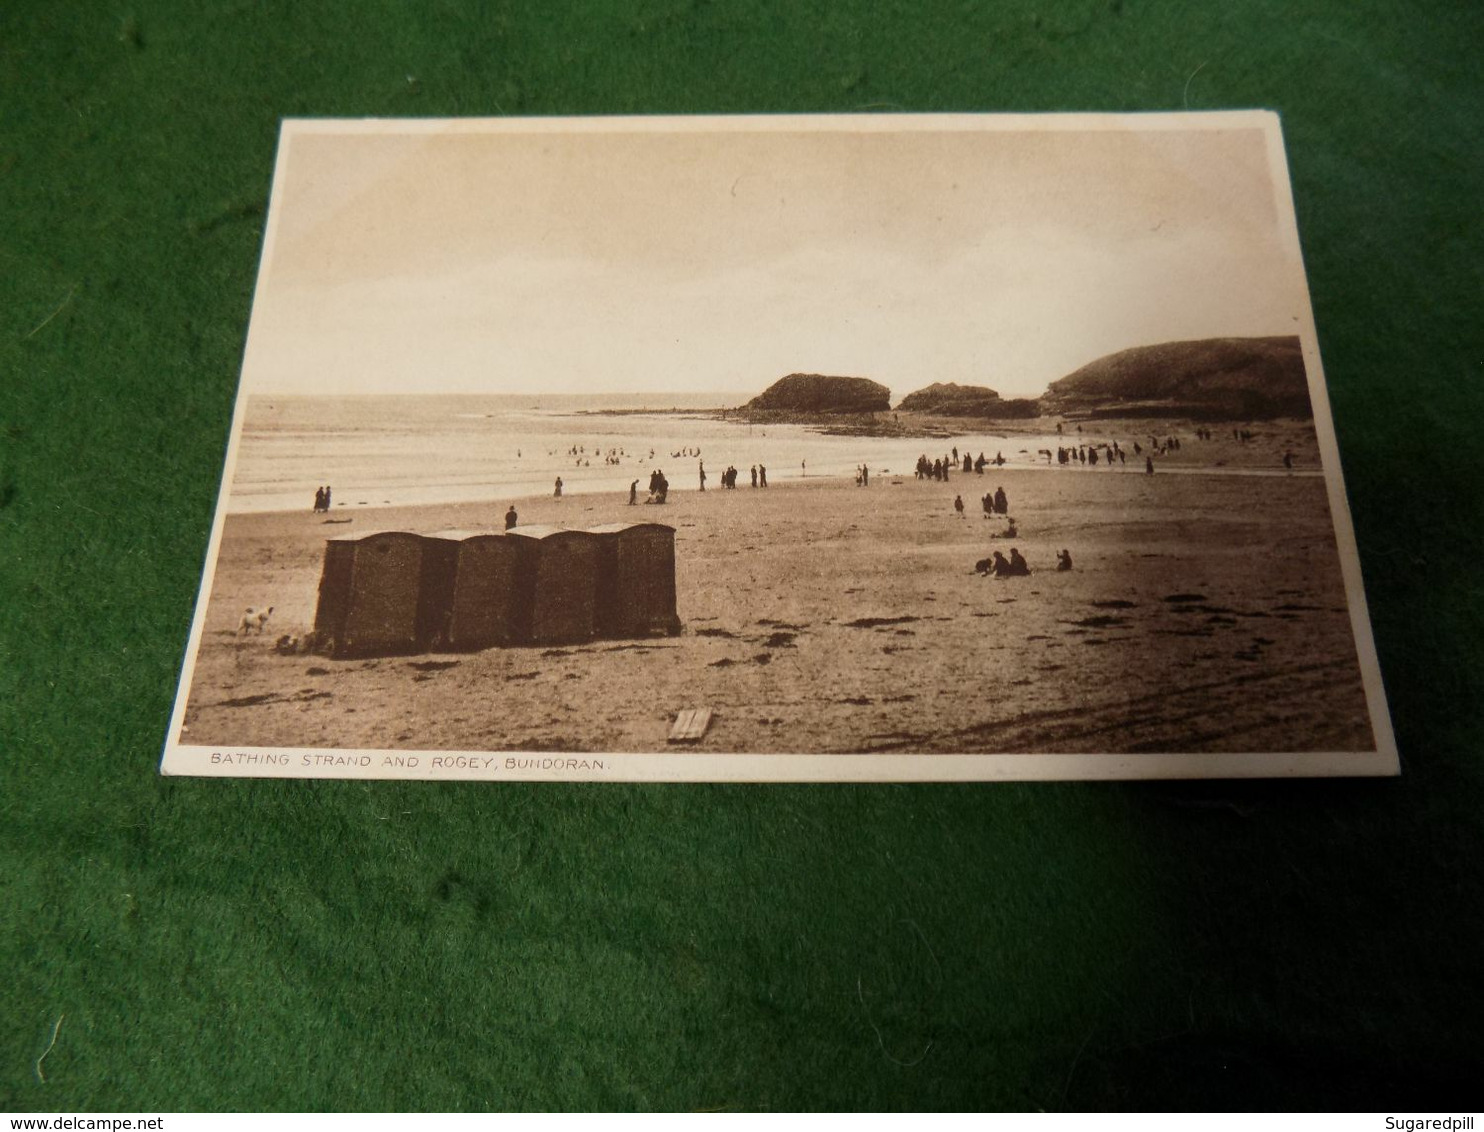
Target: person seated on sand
[
  {"x": 1019, "y": 567},
  {"x": 510, "y": 518},
  {"x": 1001, "y": 568},
  {"x": 1011, "y": 530},
  {"x": 1063, "y": 559},
  {"x": 958, "y": 505}
]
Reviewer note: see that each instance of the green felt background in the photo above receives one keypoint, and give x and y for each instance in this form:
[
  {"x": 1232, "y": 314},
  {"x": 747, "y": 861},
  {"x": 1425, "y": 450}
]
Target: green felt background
[{"x": 219, "y": 944}]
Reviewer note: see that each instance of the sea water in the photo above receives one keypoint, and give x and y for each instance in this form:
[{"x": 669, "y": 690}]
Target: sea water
[{"x": 396, "y": 450}]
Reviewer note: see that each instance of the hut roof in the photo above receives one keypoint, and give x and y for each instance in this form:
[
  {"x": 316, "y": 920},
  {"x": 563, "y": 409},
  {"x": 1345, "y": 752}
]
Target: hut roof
[
  {"x": 360, "y": 535},
  {"x": 461, "y": 535},
  {"x": 542, "y": 531},
  {"x": 614, "y": 528},
  {"x": 447, "y": 536}
]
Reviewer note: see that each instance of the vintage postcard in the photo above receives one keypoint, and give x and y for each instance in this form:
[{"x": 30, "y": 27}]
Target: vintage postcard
[{"x": 900, "y": 447}]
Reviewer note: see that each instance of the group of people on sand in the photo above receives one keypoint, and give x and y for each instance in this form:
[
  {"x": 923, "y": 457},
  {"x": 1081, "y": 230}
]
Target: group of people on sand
[
  {"x": 659, "y": 488},
  {"x": 998, "y": 566},
  {"x": 729, "y": 479},
  {"x": 1090, "y": 454},
  {"x": 993, "y": 503},
  {"x": 758, "y": 472},
  {"x": 322, "y": 499},
  {"x": 938, "y": 469}
]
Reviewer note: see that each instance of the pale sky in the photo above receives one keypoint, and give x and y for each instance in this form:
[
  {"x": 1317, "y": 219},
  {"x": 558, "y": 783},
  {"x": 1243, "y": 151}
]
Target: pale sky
[{"x": 563, "y": 259}]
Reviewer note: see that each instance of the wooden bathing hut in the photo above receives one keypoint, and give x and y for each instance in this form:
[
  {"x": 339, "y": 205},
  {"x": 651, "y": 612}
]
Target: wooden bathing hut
[
  {"x": 385, "y": 594},
  {"x": 557, "y": 588},
  {"x": 488, "y": 607},
  {"x": 636, "y": 580}
]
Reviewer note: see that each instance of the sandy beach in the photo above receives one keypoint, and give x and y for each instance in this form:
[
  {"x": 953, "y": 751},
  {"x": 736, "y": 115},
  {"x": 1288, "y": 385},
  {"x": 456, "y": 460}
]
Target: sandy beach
[{"x": 1205, "y": 613}]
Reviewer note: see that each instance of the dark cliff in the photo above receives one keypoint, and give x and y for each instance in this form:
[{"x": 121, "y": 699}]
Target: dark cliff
[{"x": 1207, "y": 379}]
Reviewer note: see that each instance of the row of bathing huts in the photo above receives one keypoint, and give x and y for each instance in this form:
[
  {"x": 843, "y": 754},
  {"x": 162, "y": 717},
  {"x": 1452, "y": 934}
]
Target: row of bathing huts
[{"x": 393, "y": 593}]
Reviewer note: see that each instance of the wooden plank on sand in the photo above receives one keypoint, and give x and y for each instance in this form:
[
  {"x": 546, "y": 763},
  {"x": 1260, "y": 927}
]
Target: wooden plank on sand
[{"x": 690, "y": 725}]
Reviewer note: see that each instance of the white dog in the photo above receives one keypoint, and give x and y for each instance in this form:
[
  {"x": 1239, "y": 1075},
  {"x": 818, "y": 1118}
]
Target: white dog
[{"x": 254, "y": 619}]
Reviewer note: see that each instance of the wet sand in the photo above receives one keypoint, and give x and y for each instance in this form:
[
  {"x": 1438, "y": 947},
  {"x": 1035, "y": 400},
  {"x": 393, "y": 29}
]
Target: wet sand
[{"x": 1204, "y": 613}]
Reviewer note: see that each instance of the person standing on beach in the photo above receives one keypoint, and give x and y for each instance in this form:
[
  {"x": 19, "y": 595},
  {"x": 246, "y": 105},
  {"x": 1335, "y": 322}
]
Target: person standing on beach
[
  {"x": 319, "y": 500},
  {"x": 510, "y": 518},
  {"x": 327, "y": 498},
  {"x": 703, "y": 477},
  {"x": 958, "y": 505},
  {"x": 633, "y": 493},
  {"x": 1148, "y": 465},
  {"x": 1001, "y": 502},
  {"x": 754, "y": 475},
  {"x": 558, "y": 492},
  {"x": 762, "y": 476}
]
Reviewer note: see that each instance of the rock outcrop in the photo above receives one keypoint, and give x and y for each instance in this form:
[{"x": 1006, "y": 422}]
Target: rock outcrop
[
  {"x": 1207, "y": 379},
  {"x": 818, "y": 393},
  {"x": 949, "y": 399}
]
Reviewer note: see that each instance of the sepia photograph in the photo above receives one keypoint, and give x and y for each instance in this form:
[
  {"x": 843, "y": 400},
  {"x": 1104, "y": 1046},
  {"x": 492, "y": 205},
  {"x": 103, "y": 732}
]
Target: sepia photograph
[{"x": 867, "y": 448}]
